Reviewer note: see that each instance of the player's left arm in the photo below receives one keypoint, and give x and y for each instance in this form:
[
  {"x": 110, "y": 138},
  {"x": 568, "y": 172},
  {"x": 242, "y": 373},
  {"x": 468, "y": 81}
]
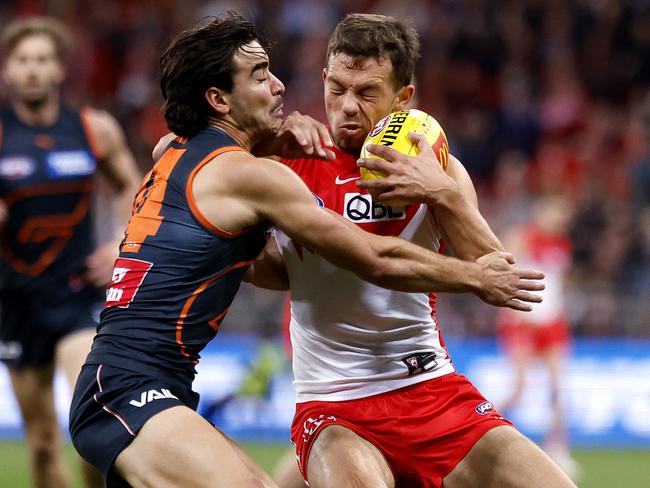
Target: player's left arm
[
  {"x": 116, "y": 162},
  {"x": 463, "y": 226}
]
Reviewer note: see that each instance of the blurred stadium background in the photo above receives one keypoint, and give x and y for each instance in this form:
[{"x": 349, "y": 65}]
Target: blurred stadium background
[{"x": 533, "y": 95}]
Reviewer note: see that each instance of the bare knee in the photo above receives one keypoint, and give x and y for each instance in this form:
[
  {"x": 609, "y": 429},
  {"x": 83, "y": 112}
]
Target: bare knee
[
  {"x": 42, "y": 436},
  {"x": 43, "y": 442}
]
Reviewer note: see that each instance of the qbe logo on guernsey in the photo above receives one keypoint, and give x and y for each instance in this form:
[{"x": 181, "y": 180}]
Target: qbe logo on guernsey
[
  {"x": 359, "y": 208},
  {"x": 128, "y": 275}
]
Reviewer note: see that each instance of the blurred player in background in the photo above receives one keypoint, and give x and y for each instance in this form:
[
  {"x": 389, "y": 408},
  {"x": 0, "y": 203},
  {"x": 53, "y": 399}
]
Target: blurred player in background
[
  {"x": 378, "y": 400},
  {"x": 52, "y": 272},
  {"x": 543, "y": 333},
  {"x": 199, "y": 221}
]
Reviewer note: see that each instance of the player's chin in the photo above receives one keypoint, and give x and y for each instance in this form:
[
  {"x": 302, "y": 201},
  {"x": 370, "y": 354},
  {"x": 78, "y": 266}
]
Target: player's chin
[
  {"x": 273, "y": 126},
  {"x": 349, "y": 144}
]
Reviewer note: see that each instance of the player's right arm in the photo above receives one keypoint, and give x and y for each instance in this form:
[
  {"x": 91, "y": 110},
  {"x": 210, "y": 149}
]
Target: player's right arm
[
  {"x": 253, "y": 189},
  {"x": 450, "y": 195}
]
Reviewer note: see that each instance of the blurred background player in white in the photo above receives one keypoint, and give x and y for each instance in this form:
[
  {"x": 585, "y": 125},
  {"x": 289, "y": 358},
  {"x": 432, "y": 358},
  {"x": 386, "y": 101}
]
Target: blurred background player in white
[
  {"x": 544, "y": 333},
  {"x": 53, "y": 273}
]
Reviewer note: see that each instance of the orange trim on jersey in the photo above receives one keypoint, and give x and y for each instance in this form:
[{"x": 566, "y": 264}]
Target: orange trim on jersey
[
  {"x": 84, "y": 115},
  {"x": 188, "y": 304},
  {"x": 181, "y": 140},
  {"x": 216, "y": 322},
  {"x": 192, "y": 203},
  {"x": 146, "y": 219},
  {"x": 42, "y": 227}
]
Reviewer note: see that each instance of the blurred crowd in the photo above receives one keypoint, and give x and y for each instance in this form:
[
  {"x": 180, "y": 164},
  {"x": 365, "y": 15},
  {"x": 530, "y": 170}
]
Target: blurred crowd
[{"x": 536, "y": 97}]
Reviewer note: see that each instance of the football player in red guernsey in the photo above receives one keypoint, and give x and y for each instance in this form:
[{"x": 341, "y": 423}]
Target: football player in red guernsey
[
  {"x": 379, "y": 403},
  {"x": 544, "y": 333}
]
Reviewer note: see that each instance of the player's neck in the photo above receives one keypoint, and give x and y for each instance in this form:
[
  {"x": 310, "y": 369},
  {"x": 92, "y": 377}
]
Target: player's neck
[
  {"x": 42, "y": 114},
  {"x": 241, "y": 138}
]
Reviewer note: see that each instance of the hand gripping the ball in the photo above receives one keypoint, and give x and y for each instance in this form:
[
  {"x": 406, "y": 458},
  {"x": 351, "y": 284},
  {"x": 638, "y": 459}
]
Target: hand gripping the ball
[{"x": 409, "y": 179}]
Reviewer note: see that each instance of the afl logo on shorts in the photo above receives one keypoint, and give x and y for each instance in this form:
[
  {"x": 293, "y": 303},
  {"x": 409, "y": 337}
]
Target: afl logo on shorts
[
  {"x": 379, "y": 126},
  {"x": 485, "y": 408}
]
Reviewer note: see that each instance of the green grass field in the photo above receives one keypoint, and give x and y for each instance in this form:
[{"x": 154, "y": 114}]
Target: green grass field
[{"x": 602, "y": 469}]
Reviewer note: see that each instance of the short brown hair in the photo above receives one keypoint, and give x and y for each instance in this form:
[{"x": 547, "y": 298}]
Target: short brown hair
[
  {"x": 377, "y": 36},
  {"x": 17, "y": 30}
]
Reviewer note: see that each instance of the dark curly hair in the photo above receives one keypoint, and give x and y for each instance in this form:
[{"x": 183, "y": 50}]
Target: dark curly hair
[
  {"x": 197, "y": 59},
  {"x": 377, "y": 36}
]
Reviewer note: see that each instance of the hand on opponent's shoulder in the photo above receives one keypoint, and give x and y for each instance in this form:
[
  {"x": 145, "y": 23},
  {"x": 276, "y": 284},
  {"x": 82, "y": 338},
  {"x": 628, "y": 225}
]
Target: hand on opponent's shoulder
[{"x": 299, "y": 136}]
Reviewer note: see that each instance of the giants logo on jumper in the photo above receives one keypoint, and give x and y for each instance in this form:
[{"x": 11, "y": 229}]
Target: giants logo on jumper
[
  {"x": 128, "y": 275},
  {"x": 485, "y": 408},
  {"x": 360, "y": 208}
]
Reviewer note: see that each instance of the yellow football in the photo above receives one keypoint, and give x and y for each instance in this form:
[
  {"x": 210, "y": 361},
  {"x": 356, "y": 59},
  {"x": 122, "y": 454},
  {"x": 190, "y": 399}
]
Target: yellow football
[{"x": 393, "y": 131}]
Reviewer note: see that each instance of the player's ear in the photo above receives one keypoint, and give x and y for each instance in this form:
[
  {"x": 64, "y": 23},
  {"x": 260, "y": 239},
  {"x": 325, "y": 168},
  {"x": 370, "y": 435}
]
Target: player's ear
[
  {"x": 403, "y": 97},
  {"x": 324, "y": 74},
  {"x": 215, "y": 97}
]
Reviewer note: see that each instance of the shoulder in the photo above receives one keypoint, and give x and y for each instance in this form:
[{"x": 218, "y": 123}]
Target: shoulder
[
  {"x": 100, "y": 122},
  {"x": 102, "y": 129},
  {"x": 240, "y": 172},
  {"x": 241, "y": 165}
]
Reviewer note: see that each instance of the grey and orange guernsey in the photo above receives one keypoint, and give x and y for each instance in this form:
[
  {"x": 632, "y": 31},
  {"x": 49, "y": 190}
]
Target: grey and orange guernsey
[
  {"x": 172, "y": 284},
  {"x": 177, "y": 274},
  {"x": 46, "y": 183}
]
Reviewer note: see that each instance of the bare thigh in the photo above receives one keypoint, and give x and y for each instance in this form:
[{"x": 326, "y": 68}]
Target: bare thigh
[
  {"x": 340, "y": 458},
  {"x": 178, "y": 448},
  {"x": 504, "y": 458}
]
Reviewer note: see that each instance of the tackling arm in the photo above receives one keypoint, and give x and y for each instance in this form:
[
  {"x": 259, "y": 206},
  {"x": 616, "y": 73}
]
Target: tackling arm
[
  {"x": 275, "y": 193},
  {"x": 268, "y": 271}
]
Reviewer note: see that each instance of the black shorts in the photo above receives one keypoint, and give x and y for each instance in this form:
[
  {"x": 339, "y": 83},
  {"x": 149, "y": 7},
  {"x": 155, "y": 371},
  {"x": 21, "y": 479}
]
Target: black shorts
[
  {"x": 30, "y": 328},
  {"x": 109, "y": 407}
]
